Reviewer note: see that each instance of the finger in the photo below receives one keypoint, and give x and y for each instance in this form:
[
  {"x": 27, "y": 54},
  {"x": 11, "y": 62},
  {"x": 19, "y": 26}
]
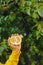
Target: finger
[
  {"x": 18, "y": 47},
  {"x": 17, "y": 44},
  {"x": 13, "y": 46},
  {"x": 13, "y": 34}
]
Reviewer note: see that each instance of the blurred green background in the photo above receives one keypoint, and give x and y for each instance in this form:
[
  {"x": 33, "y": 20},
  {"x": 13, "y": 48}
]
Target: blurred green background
[{"x": 23, "y": 17}]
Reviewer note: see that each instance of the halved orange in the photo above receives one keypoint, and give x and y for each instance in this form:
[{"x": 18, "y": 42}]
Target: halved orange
[{"x": 16, "y": 39}]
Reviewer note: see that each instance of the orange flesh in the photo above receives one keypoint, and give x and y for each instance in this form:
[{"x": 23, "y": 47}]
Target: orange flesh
[
  {"x": 12, "y": 40},
  {"x": 16, "y": 39}
]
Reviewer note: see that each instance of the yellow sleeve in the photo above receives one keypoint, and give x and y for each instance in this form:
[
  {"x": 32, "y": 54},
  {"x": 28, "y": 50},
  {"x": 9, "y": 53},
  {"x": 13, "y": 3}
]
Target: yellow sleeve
[
  {"x": 13, "y": 59},
  {"x": 1, "y": 63}
]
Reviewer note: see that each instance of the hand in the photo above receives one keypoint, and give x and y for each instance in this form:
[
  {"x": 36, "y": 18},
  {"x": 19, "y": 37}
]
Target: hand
[{"x": 14, "y": 47}]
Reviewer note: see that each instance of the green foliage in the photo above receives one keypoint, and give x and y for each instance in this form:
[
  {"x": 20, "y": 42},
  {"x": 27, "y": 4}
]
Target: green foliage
[{"x": 23, "y": 17}]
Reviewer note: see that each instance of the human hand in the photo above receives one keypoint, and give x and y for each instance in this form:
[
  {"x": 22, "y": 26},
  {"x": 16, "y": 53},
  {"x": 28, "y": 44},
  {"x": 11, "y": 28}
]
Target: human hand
[{"x": 14, "y": 47}]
